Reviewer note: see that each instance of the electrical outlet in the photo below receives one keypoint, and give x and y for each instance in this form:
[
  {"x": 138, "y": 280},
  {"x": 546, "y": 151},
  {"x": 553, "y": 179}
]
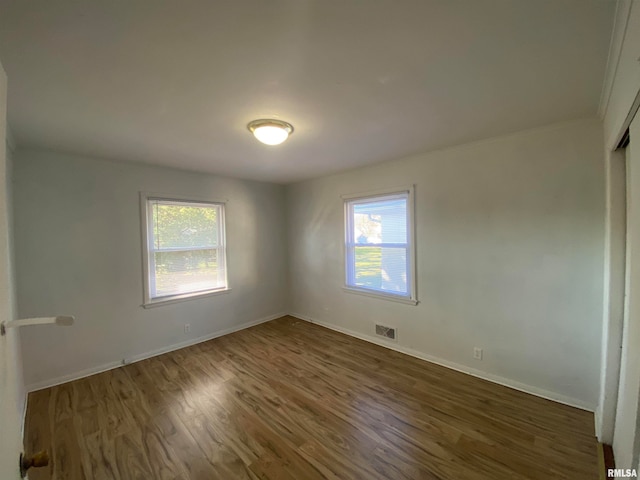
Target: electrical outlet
[
  {"x": 477, "y": 353},
  {"x": 187, "y": 327}
]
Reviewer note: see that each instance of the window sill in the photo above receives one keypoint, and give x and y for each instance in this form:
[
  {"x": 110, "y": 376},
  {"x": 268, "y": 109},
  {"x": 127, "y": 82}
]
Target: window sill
[
  {"x": 184, "y": 298},
  {"x": 381, "y": 296}
]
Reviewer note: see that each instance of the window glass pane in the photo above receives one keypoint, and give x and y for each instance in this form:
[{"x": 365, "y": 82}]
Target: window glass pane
[
  {"x": 185, "y": 247},
  {"x": 383, "y": 221},
  {"x": 179, "y": 226},
  {"x": 381, "y": 268},
  {"x": 181, "y": 272}
]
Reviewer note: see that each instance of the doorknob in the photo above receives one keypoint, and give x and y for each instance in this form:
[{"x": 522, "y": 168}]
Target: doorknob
[{"x": 40, "y": 459}]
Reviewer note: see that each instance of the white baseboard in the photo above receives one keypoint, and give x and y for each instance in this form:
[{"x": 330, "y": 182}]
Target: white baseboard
[
  {"x": 507, "y": 382},
  {"x": 598, "y": 424},
  {"x": 70, "y": 377},
  {"x": 556, "y": 397},
  {"x": 142, "y": 356}
]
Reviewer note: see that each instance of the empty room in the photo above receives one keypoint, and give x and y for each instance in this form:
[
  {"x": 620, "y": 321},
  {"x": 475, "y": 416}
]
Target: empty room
[{"x": 304, "y": 239}]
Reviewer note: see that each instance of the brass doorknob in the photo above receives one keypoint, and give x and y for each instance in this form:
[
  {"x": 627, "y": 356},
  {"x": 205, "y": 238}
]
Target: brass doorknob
[{"x": 40, "y": 459}]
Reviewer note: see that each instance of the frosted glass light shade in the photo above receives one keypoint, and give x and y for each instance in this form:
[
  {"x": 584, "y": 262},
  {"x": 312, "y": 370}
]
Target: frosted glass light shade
[{"x": 270, "y": 132}]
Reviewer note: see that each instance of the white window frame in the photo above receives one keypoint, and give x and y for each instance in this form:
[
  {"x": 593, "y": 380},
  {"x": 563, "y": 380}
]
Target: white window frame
[
  {"x": 365, "y": 197},
  {"x": 148, "y": 259}
]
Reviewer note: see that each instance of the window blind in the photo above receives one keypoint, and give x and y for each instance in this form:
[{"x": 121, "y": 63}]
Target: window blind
[
  {"x": 377, "y": 244},
  {"x": 185, "y": 248}
]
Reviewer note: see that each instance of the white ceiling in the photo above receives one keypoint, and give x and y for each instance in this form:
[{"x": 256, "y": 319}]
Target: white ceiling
[{"x": 362, "y": 81}]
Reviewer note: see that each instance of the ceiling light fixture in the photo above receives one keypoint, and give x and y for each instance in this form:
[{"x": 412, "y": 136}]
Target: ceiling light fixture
[{"x": 269, "y": 131}]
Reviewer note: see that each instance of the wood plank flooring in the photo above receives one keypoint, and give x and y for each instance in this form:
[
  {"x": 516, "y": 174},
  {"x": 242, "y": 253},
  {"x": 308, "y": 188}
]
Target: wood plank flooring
[{"x": 289, "y": 400}]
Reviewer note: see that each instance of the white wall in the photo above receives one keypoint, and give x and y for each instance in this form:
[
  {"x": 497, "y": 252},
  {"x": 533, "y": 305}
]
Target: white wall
[
  {"x": 78, "y": 252},
  {"x": 11, "y": 387},
  {"x": 510, "y": 247}
]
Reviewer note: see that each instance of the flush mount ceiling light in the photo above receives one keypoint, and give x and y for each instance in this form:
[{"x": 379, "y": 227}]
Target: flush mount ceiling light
[{"x": 270, "y": 132}]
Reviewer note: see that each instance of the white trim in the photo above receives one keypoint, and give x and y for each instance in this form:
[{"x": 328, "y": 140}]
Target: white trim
[
  {"x": 378, "y": 341},
  {"x": 183, "y": 298},
  {"x": 620, "y": 25},
  {"x": 350, "y": 199},
  {"x": 146, "y": 228},
  {"x": 598, "y": 424},
  {"x": 10, "y": 140},
  {"x": 381, "y": 296},
  {"x": 24, "y": 414},
  {"x": 380, "y": 192},
  {"x": 613, "y": 292},
  {"x": 87, "y": 372},
  {"x": 413, "y": 240},
  {"x": 143, "y": 356},
  {"x": 507, "y": 382},
  {"x": 627, "y": 121},
  {"x": 184, "y": 198}
]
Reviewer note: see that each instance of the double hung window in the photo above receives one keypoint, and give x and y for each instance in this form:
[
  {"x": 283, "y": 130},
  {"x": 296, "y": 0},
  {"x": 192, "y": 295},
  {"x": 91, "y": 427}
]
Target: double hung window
[
  {"x": 185, "y": 253},
  {"x": 379, "y": 245}
]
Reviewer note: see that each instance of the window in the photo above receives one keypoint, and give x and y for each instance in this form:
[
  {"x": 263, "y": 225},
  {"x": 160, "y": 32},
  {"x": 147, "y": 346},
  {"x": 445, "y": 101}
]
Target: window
[
  {"x": 379, "y": 245},
  {"x": 184, "y": 249}
]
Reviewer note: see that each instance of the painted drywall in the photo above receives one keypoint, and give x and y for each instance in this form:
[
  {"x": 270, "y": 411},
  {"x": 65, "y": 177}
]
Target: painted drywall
[
  {"x": 626, "y": 436},
  {"x": 78, "y": 252},
  {"x": 510, "y": 241},
  {"x": 11, "y": 387},
  {"x": 613, "y": 293}
]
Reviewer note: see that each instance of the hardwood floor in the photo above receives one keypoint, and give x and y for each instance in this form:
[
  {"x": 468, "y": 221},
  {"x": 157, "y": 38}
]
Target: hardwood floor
[{"x": 289, "y": 400}]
